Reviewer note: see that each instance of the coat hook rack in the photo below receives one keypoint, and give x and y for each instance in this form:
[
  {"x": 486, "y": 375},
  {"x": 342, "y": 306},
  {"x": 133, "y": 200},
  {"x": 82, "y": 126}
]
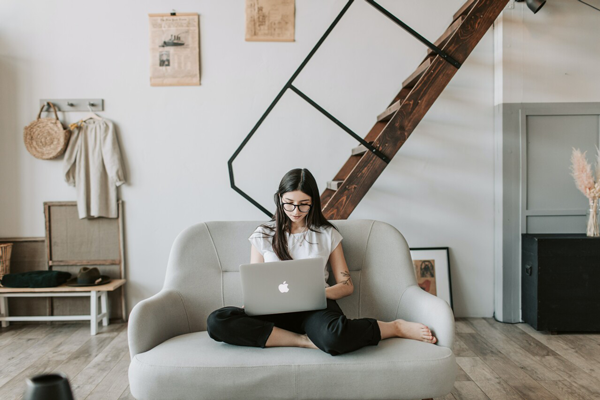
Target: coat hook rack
[{"x": 78, "y": 105}]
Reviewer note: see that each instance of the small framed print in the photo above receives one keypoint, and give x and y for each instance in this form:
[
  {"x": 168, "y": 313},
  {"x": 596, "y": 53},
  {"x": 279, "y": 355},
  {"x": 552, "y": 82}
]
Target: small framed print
[{"x": 432, "y": 268}]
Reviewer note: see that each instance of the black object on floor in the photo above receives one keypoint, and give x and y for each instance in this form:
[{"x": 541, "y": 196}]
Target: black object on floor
[{"x": 48, "y": 387}]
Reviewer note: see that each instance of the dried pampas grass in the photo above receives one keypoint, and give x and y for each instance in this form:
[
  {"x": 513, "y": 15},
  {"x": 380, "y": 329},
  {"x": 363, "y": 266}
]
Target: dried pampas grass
[
  {"x": 597, "y": 163},
  {"x": 581, "y": 170}
]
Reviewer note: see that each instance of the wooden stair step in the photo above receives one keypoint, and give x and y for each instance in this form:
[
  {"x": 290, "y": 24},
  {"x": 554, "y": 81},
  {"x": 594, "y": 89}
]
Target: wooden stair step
[
  {"x": 389, "y": 112},
  {"x": 464, "y": 9},
  {"x": 446, "y": 35},
  {"x": 375, "y": 131},
  {"x": 327, "y": 194},
  {"x": 359, "y": 150},
  {"x": 334, "y": 185},
  {"x": 401, "y": 95},
  {"x": 348, "y": 166},
  {"x": 412, "y": 80}
]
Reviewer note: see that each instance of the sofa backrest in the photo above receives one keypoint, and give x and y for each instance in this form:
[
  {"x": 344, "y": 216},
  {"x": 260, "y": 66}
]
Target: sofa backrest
[{"x": 205, "y": 258}]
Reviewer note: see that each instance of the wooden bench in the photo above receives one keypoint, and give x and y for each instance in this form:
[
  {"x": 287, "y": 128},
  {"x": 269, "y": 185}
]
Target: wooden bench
[{"x": 93, "y": 292}]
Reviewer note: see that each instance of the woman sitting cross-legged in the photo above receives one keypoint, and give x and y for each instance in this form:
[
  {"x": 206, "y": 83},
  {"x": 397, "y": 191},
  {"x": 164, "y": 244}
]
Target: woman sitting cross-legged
[{"x": 299, "y": 230}]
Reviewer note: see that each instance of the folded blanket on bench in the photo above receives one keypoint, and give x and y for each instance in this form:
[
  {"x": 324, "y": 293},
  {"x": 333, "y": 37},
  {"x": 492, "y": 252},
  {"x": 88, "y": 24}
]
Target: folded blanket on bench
[{"x": 35, "y": 279}]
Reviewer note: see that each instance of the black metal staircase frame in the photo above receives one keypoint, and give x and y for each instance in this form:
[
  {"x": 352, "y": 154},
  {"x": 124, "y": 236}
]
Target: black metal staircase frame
[{"x": 289, "y": 85}]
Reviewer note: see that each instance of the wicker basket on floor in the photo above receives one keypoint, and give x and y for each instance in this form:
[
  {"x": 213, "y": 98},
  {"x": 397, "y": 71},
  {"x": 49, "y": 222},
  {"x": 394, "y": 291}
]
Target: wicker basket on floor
[{"x": 5, "y": 252}]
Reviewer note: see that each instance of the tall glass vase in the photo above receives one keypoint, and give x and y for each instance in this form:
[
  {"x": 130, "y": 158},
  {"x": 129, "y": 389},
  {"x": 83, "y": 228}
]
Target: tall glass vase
[{"x": 592, "y": 227}]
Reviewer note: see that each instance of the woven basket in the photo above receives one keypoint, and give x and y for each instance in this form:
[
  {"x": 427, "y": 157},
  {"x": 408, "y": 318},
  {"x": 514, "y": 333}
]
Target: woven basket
[
  {"x": 5, "y": 251},
  {"x": 46, "y": 138}
]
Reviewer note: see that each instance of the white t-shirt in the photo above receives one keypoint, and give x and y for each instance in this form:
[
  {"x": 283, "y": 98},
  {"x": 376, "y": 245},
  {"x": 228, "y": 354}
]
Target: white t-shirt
[{"x": 314, "y": 244}]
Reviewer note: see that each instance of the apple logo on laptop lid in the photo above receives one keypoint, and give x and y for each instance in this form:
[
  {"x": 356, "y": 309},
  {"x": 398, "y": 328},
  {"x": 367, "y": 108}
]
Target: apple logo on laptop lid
[{"x": 283, "y": 288}]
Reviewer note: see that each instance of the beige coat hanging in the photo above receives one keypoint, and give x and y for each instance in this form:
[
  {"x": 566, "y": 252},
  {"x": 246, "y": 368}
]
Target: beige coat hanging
[{"x": 93, "y": 164}]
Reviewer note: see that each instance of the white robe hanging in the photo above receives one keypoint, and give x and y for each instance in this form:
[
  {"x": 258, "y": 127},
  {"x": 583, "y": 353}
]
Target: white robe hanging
[{"x": 93, "y": 165}]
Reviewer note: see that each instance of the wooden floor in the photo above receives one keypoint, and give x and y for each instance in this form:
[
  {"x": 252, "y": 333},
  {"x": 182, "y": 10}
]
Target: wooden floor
[
  {"x": 504, "y": 361},
  {"x": 495, "y": 361},
  {"x": 95, "y": 365}
]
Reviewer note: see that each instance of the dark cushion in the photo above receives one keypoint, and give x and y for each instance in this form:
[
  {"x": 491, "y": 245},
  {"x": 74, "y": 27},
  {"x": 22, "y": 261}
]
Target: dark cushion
[{"x": 35, "y": 279}]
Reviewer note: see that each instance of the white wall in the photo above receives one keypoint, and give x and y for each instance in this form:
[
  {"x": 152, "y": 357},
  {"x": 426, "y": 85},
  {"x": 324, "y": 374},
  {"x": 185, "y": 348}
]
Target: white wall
[
  {"x": 549, "y": 57},
  {"x": 438, "y": 190}
]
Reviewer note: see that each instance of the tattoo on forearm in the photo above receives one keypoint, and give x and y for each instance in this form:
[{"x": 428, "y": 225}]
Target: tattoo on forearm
[{"x": 348, "y": 280}]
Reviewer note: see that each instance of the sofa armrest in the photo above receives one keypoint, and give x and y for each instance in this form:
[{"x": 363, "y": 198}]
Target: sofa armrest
[
  {"x": 419, "y": 306},
  {"x": 155, "y": 320}
]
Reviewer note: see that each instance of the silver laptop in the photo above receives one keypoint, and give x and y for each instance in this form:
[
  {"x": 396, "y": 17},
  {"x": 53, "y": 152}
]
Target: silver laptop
[{"x": 283, "y": 286}]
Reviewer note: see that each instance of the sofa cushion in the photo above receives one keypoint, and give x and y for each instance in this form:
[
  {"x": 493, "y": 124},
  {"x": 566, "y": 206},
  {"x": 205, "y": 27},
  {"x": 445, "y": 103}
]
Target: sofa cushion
[{"x": 193, "y": 366}]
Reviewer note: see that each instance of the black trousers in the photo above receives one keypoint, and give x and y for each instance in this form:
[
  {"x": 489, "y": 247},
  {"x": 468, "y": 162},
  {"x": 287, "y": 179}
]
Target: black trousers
[{"x": 328, "y": 329}]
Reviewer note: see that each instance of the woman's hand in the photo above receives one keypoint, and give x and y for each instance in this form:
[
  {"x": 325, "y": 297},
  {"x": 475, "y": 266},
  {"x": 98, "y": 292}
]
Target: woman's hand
[{"x": 338, "y": 291}]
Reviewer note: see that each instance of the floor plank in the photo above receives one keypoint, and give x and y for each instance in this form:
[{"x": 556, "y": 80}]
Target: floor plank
[
  {"x": 32, "y": 352},
  {"x": 104, "y": 362},
  {"x": 87, "y": 352},
  {"x": 566, "y": 390},
  {"x": 69, "y": 346},
  {"x": 462, "y": 326},
  {"x": 478, "y": 345},
  {"x": 461, "y": 375},
  {"x": 449, "y": 396},
  {"x": 498, "y": 390},
  {"x": 532, "y": 390},
  {"x": 522, "y": 339},
  {"x": 573, "y": 374},
  {"x": 507, "y": 347},
  {"x": 476, "y": 369},
  {"x": 565, "y": 349},
  {"x": 9, "y": 333},
  {"x": 461, "y": 349},
  {"x": 588, "y": 349},
  {"x": 468, "y": 391},
  {"x": 505, "y": 368},
  {"x": 126, "y": 395},
  {"x": 113, "y": 385}
]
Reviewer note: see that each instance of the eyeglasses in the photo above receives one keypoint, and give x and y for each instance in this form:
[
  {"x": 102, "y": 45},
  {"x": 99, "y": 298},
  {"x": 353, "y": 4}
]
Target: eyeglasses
[{"x": 303, "y": 208}]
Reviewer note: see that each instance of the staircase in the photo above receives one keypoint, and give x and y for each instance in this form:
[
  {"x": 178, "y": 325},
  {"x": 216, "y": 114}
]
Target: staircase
[
  {"x": 394, "y": 125},
  {"x": 419, "y": 91}
]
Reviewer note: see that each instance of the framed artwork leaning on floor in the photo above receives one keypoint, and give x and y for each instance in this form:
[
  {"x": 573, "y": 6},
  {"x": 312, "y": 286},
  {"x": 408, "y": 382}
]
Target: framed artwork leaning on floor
[{"x": 432, "y": 268}]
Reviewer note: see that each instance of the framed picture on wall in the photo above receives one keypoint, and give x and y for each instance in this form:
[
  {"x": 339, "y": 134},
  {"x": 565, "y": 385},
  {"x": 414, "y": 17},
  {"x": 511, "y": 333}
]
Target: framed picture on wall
[{"x": 432, "y": 268}]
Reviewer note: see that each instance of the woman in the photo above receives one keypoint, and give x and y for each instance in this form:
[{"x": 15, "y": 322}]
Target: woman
[{"x": 299, "y": 230}]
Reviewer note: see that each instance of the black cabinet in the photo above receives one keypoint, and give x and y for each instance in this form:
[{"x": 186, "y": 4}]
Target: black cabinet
[{"x": 560, "y": 282}]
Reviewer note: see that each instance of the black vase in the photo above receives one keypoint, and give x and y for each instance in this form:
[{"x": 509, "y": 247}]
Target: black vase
[{"x": 48, "y": 387}]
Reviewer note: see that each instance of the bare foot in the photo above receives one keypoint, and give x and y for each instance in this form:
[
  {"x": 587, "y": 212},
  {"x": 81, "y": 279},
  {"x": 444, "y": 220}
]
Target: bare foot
[
  {"x": 307, "y": 343},
  {"x": 414, "y": 330}
]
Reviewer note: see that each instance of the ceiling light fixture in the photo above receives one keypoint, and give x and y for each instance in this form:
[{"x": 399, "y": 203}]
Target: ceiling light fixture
[{"x": 534, "y": 5}]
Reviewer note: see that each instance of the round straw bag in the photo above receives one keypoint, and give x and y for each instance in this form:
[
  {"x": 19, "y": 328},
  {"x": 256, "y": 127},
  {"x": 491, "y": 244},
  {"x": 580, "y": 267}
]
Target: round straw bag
[{"x": 46, "y": 138}]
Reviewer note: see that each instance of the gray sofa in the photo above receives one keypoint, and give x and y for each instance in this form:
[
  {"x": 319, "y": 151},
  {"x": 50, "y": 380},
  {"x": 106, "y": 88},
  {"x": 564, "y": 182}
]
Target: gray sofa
[{"x": 172, "y": 356}]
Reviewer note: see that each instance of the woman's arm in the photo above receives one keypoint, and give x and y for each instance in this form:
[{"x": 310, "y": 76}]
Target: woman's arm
[
  {"x": 255, "y": 256},
  {"x": 339, "y": 268}
]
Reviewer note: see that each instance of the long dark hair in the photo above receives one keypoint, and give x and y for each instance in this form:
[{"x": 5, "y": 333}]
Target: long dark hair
[{"x": 297, "y": 179}]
